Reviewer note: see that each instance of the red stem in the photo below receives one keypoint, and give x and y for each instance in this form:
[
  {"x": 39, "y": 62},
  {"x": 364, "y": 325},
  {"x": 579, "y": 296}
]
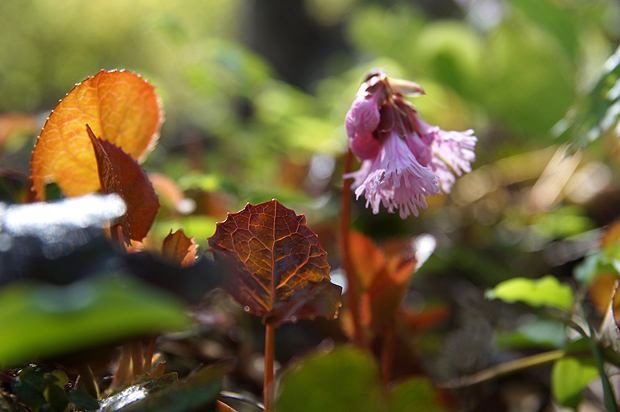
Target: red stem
[
  {"x": 345, "y": 251},
  {"x": 387, "y": 354},
  {"x": 268, "y": 387},
  {"x": 150, "y": 351},
  {"x": 117, "y": 237},
  {"x": 122, "y": 370},
  {"x": 137, "y": 357}
]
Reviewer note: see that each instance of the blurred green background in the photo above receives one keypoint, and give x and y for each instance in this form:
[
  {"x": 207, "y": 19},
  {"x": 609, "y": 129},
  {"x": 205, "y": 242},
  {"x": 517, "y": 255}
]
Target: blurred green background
[
  {"x": 256, "y": 91},
  {"x": 255, "y": 94}
]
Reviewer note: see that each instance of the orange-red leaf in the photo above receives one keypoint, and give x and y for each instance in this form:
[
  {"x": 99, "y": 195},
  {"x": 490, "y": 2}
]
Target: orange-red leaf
[
  {"x": 384, "y": 281},
  {"x": 119, "y": 173},
  {"x": 119, "y": 106},
  {"x": 171, "y": 194},
  {"x": 179, "y": 249},
  {"x": 276, "y": 266}
]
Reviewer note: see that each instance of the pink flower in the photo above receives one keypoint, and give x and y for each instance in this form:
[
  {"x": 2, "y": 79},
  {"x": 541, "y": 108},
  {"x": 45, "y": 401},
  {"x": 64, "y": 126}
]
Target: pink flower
[
  {"x": 395, "y": 178},
  {"x": 403, "y": 158}
]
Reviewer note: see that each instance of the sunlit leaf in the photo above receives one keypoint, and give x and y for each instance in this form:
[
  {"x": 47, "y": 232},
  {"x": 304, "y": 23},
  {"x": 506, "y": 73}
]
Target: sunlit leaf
[
  {"x": 43, "y": 320},
  {"x": 119, "y": 106},
  {"x": 138, "y": 392},
  {"x": 179, "y": 249},
  {"x": 346, "y": 379},
  {"x": 569, "y": 378},
  {"x": 168, "y": 394},
  {"x": 119, "y": 173},
  {"x": 276, "y": 266},
  {"x": 547, "y": 291}
]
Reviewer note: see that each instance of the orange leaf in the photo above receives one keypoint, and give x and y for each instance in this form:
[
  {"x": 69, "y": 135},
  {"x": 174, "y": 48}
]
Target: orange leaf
[
  {"x": 119, "y": 106},
  {"x": 171, "y": 193},
  {"x": 418, "y": 322},
  {"x": 611, "y": 234},
  {"x": 383, "y": 281},
  {"x": 119, "y": 173},
  {"x": 179, "y": 249},
  {"x": 601, "y": 290},
  {"x": 367, "y": 258},
  {"x": 276, "y": 266}
]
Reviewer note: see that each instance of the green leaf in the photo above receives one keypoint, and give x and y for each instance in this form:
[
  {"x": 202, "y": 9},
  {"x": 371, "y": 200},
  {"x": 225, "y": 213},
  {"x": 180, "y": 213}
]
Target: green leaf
[
  {"x": 415, "y": 395},
  {"x": 346, "y": 379},
  {"x": 569, "y": 377},
  {"x": 56, "y": 398},
  {"x": 166, "y": 394},
  {"x": 558, "y": 21},
  {"x": 598, "y": 110},
  {"x": 543, "y": 98},
  {"x": 538, "y": 332},
  {"x": 138, "y": 392},
  {"x": 43, "y": 320},
  {"x": 27, "y": 392},
  {"x": 547, "y": 291},
  {"x": 604, "y": 261},
  {"x": 83, "y": 400}
]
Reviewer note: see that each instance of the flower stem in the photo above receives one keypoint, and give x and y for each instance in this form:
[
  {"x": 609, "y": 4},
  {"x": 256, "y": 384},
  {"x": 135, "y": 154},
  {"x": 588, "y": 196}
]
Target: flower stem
[
  {"x": 122, "y": 370},
  {"x": 345, "y": 252},
  {"x": 387, "y": 354},
  {"x": 150, "y": 351},
  {"x": 116, "y": 234},
  {"x": 137, "y": 357},
  {"x": 268, "y": 387}
]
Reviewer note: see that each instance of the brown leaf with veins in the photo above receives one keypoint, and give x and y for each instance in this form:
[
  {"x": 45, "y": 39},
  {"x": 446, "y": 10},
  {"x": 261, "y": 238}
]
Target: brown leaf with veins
[
  {"x": 119, "y": 106},
  {"x": 120, "y": 173},
  {"x": 276, "y": 267},
  {"x": 179, "y": 249}
]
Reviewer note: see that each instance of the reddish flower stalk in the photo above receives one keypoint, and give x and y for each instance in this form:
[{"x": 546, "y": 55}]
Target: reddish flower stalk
[
  {"x": 268, "y": 385},
  {"x": 345, "y": 252}
]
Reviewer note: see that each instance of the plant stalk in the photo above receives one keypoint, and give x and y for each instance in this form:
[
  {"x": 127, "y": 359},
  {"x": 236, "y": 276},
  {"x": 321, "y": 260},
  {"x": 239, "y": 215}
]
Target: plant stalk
[
  {"x": 123, "y": 368},
  {"x": 345, "y": 252},
  {"x": 150, "y": 351},
  {"x": 505, "y": 369},
  {"x": 387, "y": 354},
  {"x": 268, "y": 387},
  {"x": 137, "y": 357},
  {"x": 608, "y": 393}
]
